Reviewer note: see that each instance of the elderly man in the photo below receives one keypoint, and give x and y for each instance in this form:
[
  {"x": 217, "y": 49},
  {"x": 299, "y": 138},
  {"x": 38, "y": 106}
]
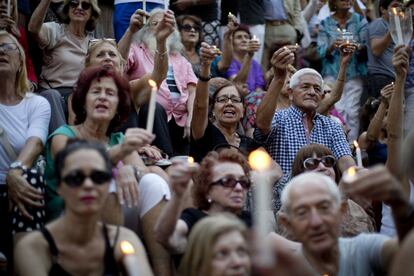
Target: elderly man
[
  {"x": 285, "y": 132},
  {"x": 313, "y": 212}
]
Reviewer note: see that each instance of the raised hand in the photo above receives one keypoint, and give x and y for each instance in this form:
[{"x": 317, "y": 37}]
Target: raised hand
[
  {"x": 281, "y": 59},
  {"x": 166, "y": 26},
  {"x": 137, "y": 20},
  {"x": 182, "y": 4},
  {"x": 386, "y": 93},
  {"x": 400, "y": 60},
  {"x": 135, "y": 139},
  {"x": 208, "y": 54},
  {"x": 347, "y": 50},
  {"x": 180, "y": 175},
  {"x": 253, "y": 46},
  {"x": 8, "y": 24}
]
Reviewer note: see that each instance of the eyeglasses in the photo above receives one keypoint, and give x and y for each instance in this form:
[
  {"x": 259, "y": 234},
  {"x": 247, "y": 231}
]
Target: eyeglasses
[
  {"x": 84, "y": 5},
  {"x": 226, "y": 98},
  {"x": 94, "y": 41},
  {"x": 7, "y": 47},
  {"x": 188, "y": 28},
  {"x": 229, "y": 182},
  {"x": 77, "y": 177},
  {"x": 312, "y": 163}
]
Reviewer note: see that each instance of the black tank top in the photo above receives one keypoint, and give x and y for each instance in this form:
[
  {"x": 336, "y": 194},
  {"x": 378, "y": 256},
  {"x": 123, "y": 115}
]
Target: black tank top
[{"x": 111, "y": 267}]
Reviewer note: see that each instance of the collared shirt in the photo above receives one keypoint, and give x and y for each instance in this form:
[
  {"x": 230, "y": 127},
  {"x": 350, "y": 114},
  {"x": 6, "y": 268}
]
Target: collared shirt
[
  {"x": 141, "y": 62},
  {"x": 288, "y": 135},
  {"x": 328, "y": 33},
  {"x": 275, "y": 10}
]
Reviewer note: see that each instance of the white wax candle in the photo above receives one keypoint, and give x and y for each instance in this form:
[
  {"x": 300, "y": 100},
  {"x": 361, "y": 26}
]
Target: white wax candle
[
  {"x": 151, "y": 108},
  {"x": 144, "y": 5},
  {"x": 8, "y": 7},
  {"x": 166, "y": 4},
  {"x": 129, "y": 260},
  {"x": 358, "y": 154},
  {"x": 398, "y": 27}
]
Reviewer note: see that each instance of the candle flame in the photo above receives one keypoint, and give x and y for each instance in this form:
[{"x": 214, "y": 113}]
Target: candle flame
[
  {"x": 356, "y": 144},
  {"x": 230, "y": 14},
  {"x": 254, "y": 37},
  {"x": 260, "y": 160},
  {"x": 190, "y": 160},
  {"x": 152, "y": 83},
  {"x": 351, "y": 171},
  {"x": 394, "y": 11},
  {"x": 127, "y": 248}
]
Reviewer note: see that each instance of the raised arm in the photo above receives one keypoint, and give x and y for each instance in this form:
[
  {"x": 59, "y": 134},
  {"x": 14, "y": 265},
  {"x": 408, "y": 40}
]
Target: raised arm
[
  {"x": 264, "y": 115},
  {"x": 135, "y": 24},
  {"x": 225, "y": 61},
  {"x": 37, "y": 19},
  {"x": 400, "y": 61},
  {"x": 170, "y": 231},
  {"x": 378, "y": 45},
  {"x": 201, "y": 101}
]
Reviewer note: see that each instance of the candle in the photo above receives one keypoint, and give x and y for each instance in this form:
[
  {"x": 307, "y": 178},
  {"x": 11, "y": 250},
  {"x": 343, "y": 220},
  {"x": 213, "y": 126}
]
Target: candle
[
  {"x": 129, "y": 259},
  {"x": 144, "y": 5},
  {"x": 166, "y": 4},
  {"x": 349, "y": 175},
  {"x": 151, "y": 108},
  {"x": 9, "y": 8},
  {"x": 255, "y": 38},
  {"x": 397, "y": 26},
  {"x": 260, "y": 161},
  {"x": 358, "y": 154}
]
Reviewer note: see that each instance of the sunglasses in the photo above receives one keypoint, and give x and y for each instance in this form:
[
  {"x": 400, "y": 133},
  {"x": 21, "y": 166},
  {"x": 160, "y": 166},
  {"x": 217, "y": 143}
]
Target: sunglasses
[
  {"x": 77, "y": 177},
  {"x": 8, "y": 47},
  {"x": 312, "y": 163},
  {"x": 226, "y": 98},
  {"x": 188, "y": 28},
  {"x": 84, "y": 5},
  {"x": 229, "y": 182},
  {"x": 94, "y": 41}
]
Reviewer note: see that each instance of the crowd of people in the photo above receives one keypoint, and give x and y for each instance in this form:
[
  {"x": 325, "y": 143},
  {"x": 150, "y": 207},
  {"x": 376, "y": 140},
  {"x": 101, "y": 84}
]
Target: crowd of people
[{"x": 91, "y": 158}]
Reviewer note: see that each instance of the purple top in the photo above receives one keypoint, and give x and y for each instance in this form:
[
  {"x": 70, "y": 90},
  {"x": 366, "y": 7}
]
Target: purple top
[{"x": 255, "y": 79}]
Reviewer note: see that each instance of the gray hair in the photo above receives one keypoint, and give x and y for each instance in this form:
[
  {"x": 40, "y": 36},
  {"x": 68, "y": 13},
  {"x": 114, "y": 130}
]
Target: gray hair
[
  {"x": 174, "y": 44},
  {"x": 295, "y": 78},
  {"x": 306, "y": 178}
]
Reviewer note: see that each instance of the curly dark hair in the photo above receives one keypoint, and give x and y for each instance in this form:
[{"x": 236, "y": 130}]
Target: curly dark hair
[
  {"x": 204, "y": 176},
  {"x": 86, "y": 77},
  {"x": 91, "y": 24}
]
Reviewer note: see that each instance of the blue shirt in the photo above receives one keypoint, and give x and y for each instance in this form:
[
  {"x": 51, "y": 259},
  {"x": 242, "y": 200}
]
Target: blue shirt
[
  {"x": 275, "y": 10},
  {"x": 328, "y": 33},
  {"x": 409, "y": 83},
  {"x": 288, "y": 135}
]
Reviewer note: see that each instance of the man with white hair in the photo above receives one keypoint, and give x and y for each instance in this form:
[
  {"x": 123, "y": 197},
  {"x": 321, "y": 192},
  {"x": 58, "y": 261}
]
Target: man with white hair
[
  {"x": 286, "y": 131},
  {"x": 312, "y": 212}
]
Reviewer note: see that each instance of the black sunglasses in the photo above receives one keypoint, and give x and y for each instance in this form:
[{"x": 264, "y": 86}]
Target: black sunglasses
[
  {"x": 312, "y": 163},
  {"x": 77, "y": 177},
  {"x": 84, "y": 5},
  {"x": 229, "y": 182},
  {"x": 188, "y": 28}
]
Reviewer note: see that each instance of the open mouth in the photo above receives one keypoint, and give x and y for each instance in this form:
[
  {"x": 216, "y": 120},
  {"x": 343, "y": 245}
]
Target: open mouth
[
  {"x": 101, "y": 107},
  {"x": 229, "y": 113}
]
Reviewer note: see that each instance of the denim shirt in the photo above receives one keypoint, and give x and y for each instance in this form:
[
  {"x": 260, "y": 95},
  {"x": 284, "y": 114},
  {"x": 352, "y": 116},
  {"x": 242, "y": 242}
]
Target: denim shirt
[{"x": 328, "y": 33}]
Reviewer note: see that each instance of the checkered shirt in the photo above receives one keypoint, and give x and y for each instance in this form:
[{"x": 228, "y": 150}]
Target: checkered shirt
[{"x": 288, "y": 135}]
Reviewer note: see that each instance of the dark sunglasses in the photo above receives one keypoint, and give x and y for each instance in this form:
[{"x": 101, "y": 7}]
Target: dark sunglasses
[
  {"x": 229, "y": 182},
  {"x": 84, "y": 5},
  {"x": 188, "y": 28},
  {"x": 77, "y": 177},
  {"x": 312, "y": 163},
  {"x": 226, "y": 98}
]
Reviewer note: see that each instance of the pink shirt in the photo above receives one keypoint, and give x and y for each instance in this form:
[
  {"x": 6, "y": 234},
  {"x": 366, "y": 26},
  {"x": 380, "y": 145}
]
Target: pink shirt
[{"x": 141, "y": 62}]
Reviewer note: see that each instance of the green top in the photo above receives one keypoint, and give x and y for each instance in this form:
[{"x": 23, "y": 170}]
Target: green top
[{"x": 54, "y": 203}]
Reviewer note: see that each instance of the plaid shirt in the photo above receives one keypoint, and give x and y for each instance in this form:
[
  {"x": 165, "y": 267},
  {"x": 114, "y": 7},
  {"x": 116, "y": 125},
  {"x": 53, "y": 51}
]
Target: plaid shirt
[{"x": 289, "y": 134}]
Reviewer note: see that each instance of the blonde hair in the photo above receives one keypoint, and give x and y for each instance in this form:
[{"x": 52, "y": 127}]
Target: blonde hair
[
  {"x": 94, "y": 46},
  {"x": 22, "y": 82},
  {"x": 198, "y": 256}
]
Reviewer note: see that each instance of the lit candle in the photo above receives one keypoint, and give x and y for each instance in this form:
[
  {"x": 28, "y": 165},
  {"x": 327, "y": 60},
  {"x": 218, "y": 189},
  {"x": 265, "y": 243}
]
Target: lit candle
[
  {"x": 8, "y": 7},
  {"x": 397, "y": 26},
  {"x": 349, "y": 175},
  {"x": 129, "y": 259},
  {"x": 166, "y": 4},
  {"x": 260, "y": 162},
  {"x": 151, "y": 107},
  {"x": 358, "y": 154},
  {"x": 190, "y": 161},
  {"x": 144, "y": 5},
  {"x": 255, "y": 38}
]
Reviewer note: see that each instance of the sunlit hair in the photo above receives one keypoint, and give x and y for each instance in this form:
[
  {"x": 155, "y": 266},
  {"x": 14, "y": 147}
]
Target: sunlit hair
[
  {"x": 311, "y": 150},
  {"x": 199, "y": 253},
  {"x": 205, "y": 174},
  {"x": 87, "y": 76},
  {"x": 295, "y": 79},
  {"x": 308, "y": 178},
  {"x": 147, "y": 37},
  {"x": 94, "y": 46},
  {"x": 22, "y": 82},
  {"x": 91, "y": 24}
]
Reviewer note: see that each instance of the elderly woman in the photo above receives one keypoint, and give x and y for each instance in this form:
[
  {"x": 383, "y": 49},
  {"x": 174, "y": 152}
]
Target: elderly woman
[
  {"x": 24, "y": 118},
  {"x": 218, "y": 245},
  {"x": 329, "y": 40},
  {"x": 101, "y": 103},
  {"x": 221, "y": 185},
  {"x": 64, "y": 48},
  {"x": 78, "y": 243}
]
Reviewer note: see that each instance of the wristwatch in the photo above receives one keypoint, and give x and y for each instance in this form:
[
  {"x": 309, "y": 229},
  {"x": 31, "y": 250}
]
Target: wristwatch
[
  {"x": 17, "y": 165},
  {"x": 204, "y": 78}
]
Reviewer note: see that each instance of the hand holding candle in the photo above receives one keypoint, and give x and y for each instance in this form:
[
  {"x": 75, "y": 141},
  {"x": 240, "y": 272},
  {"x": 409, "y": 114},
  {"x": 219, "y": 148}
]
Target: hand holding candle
[
  {"x": 397, "y": 23},
  {"x": 129, "y": 260},
  {"x": 151, "y": 108},
  {"x": 8, "y": 8},
  {"x": 358, "y": 154}
]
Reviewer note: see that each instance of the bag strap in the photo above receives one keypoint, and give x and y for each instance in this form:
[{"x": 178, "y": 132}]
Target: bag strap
[{"x": 4, "y": 141}]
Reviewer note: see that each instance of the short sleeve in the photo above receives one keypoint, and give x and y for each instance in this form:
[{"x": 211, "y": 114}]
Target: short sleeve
[
  {"x": 377, "y": 29},
  {"x": 215, "y": 72},
  {"x": 340, "y": 146},
  {"x": 191, "y": 77},
  {"x": 116, "y": 138},
  {"x": 132, "y": 62},
  {"x": 233, "y": 69},
  {"x": 39, "y": 118},
  {"x": 50, "y": 34},
  {"x": 191, "y": 216}
]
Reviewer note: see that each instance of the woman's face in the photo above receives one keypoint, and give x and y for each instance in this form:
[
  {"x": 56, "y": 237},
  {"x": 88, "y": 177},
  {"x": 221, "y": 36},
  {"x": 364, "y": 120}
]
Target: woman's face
[
  {"x": 230, "y": 255},
  {"x": 10, "y": 59},
  {"x": 240, "y": 41},
  {"x": 106, "y": 54},
  {"x": 227, "y": 198},
  {"x": 80, "y": 11},
  {"x": 228, "y": 107},
  {"x": 323, "y": 166},
  {"x": 89, "y": 197},
  {"x": 102, "y": 100},
  {"x": 344, "y": 4},
  {"x": 189, "y": 32}
]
